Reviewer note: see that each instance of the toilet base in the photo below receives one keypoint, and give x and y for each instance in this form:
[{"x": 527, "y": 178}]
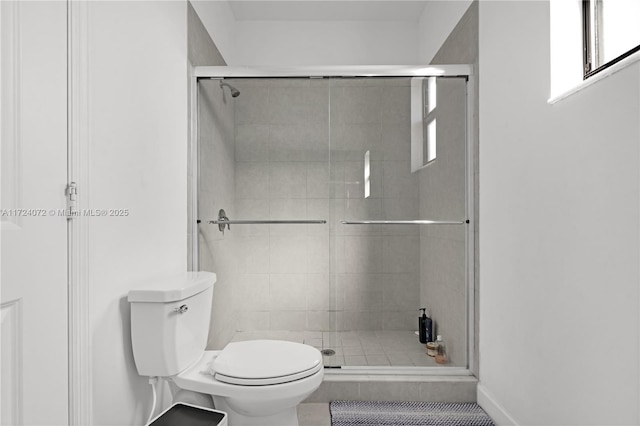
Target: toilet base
[
  {"x": 287, "y": 417},
  {"x": 268, "y": 405}
]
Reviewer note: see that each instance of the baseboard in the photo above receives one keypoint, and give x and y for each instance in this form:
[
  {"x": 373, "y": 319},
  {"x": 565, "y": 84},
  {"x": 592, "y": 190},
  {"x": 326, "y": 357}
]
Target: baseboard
[{"x": 498, "y": 414}]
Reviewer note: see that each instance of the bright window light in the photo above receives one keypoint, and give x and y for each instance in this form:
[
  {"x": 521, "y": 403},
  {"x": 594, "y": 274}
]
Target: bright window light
[
  {"x": 430, "y": 152},
  {"x": 620, "y": 28},
  {"x": 367, "y": 174},
  {"x": 424, "y": 102},
  {"x": 432, "y": 97},
  {"x": 610, "y": 32}
]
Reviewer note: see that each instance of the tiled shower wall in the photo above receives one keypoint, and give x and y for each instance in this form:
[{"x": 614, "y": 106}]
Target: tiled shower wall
[
  {"x": 443, "y": 247},
  {"x": 282, "y": 171},
  {"x": 376, "y": 266},
  {"x": 217, "y": 251},
  {"x": 299, "y": 152}
]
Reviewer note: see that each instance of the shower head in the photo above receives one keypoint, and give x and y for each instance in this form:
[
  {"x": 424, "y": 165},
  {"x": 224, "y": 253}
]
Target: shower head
[{"x": 234, "y": 92}]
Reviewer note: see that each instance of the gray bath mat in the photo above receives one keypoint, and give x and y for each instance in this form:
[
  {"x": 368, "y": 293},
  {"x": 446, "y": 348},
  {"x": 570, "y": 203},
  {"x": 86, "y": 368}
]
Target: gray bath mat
[{"x": 372, "y": 413}]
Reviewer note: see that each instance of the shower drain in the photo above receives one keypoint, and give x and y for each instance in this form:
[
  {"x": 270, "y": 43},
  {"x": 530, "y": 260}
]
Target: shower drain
[{"x": 328, "y": 352}]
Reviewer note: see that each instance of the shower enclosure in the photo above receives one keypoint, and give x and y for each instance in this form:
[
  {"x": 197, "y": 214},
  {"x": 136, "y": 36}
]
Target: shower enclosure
[{"x": 333, "y": 204}]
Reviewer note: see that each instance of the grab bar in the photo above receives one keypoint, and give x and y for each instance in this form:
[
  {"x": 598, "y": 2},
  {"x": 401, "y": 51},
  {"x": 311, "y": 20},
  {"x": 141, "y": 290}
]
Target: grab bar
[
  {"x": 404, "y": 222},
  {"x": 223, "y": 221}
]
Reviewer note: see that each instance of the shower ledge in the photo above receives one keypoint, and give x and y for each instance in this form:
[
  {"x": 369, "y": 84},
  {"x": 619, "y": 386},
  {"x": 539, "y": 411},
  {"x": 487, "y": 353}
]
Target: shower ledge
[{"x": 396, "y": 387}]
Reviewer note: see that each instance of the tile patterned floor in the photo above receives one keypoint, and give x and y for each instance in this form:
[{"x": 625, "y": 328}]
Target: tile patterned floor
[
  {"x": 356, "y": 348},
  {"x": 314, "y": 414}
]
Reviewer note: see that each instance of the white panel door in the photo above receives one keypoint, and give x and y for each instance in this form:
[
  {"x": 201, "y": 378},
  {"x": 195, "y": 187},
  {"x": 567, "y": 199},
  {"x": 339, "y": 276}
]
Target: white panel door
[{"x": 33, "y": 101}]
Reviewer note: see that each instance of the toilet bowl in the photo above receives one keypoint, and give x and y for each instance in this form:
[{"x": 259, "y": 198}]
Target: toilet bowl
[
  {"x": 259, "y": 382},
  {"x": 258, "y": 388}
]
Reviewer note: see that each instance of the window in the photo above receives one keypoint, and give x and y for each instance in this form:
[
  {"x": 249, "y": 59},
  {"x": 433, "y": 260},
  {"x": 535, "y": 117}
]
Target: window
[{"x": 610, "y": 33}]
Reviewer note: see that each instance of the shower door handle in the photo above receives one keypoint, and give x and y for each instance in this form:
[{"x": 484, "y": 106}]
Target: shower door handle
[
  {"x": 404, "y": 222},
  {"x": 223, "y": 221}
]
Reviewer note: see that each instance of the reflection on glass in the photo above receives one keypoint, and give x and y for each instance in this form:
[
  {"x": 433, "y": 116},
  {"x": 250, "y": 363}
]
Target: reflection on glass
[
  {"x": 367, "y": 174},
  {"x": 430, "y": 152},
  {"x": 432, "y": 96}
]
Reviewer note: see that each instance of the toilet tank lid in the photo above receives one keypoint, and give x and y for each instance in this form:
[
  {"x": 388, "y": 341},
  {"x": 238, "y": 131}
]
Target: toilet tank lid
[{"x": 172, "y": 288}]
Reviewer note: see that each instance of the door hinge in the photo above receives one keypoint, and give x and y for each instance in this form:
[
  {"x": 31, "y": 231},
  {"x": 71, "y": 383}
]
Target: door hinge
[{"x": 72, "y": 197}]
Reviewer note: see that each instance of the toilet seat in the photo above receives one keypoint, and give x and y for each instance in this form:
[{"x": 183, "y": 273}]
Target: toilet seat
[
  {"x": 266, "y": 381},
  {"x": 265, "y": 362}
]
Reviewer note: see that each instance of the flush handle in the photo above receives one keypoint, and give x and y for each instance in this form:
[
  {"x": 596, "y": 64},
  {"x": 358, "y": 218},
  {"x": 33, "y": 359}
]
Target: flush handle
[{"x": 182, "y": 309}]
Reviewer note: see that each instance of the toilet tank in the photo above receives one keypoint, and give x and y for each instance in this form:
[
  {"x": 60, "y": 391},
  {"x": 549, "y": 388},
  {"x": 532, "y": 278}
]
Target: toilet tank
[{"x": 170, "y": 322}]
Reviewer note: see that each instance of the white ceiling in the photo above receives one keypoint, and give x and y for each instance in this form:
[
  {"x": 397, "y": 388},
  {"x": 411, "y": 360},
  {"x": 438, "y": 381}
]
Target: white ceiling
[{"x": 327, "y": 10}]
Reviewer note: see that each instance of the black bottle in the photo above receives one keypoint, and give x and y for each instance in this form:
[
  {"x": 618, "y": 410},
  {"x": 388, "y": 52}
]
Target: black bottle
[{"x": 425, "y": 327}]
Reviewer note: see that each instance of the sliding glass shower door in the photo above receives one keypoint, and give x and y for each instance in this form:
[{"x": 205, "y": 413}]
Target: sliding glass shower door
[
  {"x": 398, "y": 187},
  {"x": 332, "y": 209},
  {"x": 269, "y": 236}
]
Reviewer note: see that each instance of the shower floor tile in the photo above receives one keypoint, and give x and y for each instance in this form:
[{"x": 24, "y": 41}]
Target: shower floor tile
[
  {"x": 355, "y": 360},
  {"x": 356, "y": 348}
]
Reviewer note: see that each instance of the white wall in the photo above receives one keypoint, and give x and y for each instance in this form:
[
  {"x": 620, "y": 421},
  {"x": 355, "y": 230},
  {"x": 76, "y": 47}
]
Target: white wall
[
  {"x": 220, "y": 21},
  {"x": 436, "y": 22},
  {"x": 559, "y": 249},
  {"x": 287, "y": 43},
  {"x": 138, "y": 161},
  {"x": 283, "y": 43},
  {"x": 336, "y": 42}
]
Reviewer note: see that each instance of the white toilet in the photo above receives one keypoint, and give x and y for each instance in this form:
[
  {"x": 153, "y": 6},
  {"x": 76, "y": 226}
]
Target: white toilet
[{"x": 259, "y": 382}]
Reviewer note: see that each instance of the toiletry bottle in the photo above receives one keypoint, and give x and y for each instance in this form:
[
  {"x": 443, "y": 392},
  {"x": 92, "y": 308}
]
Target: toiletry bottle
[
  {"x": 422, "y": 326},
  {"x": 425, "y": 327},
  {"x": 441, "y": 353},
  {"x": 428, "y": 325},
  {"x": 432, "y": 349}
]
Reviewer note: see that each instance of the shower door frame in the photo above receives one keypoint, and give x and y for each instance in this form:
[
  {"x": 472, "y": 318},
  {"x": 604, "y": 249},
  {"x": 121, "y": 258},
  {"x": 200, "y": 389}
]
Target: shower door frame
[{"x": 351, "y": 71}]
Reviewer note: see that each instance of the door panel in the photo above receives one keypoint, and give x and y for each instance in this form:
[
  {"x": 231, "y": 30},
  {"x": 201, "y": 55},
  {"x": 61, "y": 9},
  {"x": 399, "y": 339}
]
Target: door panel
[{"x": 34, "y": 230}]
